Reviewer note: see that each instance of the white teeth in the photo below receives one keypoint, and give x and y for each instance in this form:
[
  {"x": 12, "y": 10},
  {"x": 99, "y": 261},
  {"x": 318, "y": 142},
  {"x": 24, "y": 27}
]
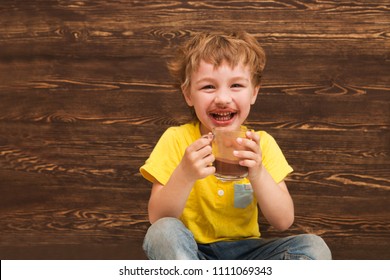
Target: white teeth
[{"x": 224, "y": 116}]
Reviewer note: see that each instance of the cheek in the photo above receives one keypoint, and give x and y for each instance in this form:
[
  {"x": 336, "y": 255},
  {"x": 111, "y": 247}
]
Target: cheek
[
  {"x": 202, "y": 101},
  {"x": 200, "y": 106},
  {"x": 245, "y": 106},
  {"x": 245, "y": 101}
]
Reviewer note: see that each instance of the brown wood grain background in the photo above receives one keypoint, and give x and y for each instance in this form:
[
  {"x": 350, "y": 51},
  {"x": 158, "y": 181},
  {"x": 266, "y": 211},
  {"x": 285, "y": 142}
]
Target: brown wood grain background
[{"x": 85, "y": 95}]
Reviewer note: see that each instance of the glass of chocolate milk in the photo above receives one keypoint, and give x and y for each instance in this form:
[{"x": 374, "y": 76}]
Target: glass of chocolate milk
[{"x": 226, "y": 164}]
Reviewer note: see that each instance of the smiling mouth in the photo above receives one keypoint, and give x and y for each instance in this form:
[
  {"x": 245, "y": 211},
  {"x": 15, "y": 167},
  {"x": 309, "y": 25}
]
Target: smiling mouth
[{"x": 223, "y": 116}]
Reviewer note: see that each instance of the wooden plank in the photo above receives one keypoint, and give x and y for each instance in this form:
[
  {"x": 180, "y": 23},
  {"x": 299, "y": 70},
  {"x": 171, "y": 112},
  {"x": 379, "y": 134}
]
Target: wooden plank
[
  {"x": 123, "y": 250},
  {"x": 301, "y": 27},
  {"x": 327, "y": 103},
  {"x": 324, "y": 77}
]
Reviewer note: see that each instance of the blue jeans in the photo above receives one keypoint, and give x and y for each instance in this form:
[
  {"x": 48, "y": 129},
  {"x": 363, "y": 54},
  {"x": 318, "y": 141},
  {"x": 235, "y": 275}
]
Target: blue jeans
[{"x": 169, "y": 239}]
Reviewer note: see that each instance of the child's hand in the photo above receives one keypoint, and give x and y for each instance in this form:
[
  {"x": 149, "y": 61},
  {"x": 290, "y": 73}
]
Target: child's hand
[
  {"x": 198, "y": 158},
  {"x": 251, "y": 156}
]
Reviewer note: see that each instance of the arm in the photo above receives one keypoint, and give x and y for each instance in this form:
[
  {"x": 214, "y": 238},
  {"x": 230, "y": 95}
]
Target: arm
[
  {"x": 273, "y": 198},
  {"x": 274, "y": 201},
  {"x": 170, "y": 200}
]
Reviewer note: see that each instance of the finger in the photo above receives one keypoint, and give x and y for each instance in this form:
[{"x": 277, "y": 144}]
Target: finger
[
  {"x": 245, "y": 155},
  {"x": 200, "y": 143},
  {"x": 209, "y": 170},
  {"x": 206, "y": 167},
  {"x": 205, "y": 151},
  {"x": 209, "y": 136},
  {"x": 209, "y": 159},
  {"x": 250, "y": 134},
  {"x": 248, "y": 163},
  {"x": 248, "y": 144}
]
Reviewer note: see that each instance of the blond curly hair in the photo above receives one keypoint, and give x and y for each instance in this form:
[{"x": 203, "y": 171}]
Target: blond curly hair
[{"x": 216, "y": 48}]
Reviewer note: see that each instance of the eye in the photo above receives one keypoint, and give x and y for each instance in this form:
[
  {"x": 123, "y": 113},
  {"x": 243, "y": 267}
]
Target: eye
[
  {"x": 208, "y": 87},
  {"x": 237, "y": 85}
]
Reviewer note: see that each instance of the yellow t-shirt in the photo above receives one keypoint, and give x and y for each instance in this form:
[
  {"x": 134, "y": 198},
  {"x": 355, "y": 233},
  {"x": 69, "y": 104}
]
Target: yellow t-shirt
[{"x": 215, "y": 210}]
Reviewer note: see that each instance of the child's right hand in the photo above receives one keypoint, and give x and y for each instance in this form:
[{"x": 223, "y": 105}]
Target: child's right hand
[{"x": 198, "y": 158}]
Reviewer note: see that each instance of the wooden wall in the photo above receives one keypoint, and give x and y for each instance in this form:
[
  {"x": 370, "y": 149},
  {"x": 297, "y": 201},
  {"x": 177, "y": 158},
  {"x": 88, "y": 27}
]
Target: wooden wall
[{"x": 85, "y": 95}]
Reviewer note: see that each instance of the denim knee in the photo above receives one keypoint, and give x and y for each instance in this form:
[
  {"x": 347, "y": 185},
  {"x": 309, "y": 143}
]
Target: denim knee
[
  {"x": 310, "y": 246},
  {"x": 162, "y": 227},
  {"x": 168, "y": 238}
]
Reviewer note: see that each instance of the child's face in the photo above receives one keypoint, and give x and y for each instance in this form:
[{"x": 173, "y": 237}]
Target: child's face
[{"x": 221, "y": 96}]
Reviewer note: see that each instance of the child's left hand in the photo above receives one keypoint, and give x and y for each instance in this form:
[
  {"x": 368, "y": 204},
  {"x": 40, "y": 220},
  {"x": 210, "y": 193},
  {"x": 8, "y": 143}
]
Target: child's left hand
[{"x": 251, "y": 156}]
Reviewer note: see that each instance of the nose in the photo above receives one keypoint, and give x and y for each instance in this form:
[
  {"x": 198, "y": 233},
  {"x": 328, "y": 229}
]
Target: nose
[{"x": 223, "y": 97}]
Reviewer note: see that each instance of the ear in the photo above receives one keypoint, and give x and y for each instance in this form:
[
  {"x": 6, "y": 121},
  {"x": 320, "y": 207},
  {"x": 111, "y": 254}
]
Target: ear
[
  {"x": 255, "y": 94},
  {"x": 187, "y": 95}
]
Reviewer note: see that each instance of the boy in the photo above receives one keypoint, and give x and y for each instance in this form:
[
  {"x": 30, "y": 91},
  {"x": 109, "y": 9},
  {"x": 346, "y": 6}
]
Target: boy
[{"x": 193, "y": 214}]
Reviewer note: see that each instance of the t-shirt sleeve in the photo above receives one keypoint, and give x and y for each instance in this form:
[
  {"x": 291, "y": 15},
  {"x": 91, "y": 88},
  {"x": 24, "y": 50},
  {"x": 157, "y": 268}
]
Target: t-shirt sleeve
[
  {"x": 163, "y": 160},
  {"x": 273, "y": 158}
]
